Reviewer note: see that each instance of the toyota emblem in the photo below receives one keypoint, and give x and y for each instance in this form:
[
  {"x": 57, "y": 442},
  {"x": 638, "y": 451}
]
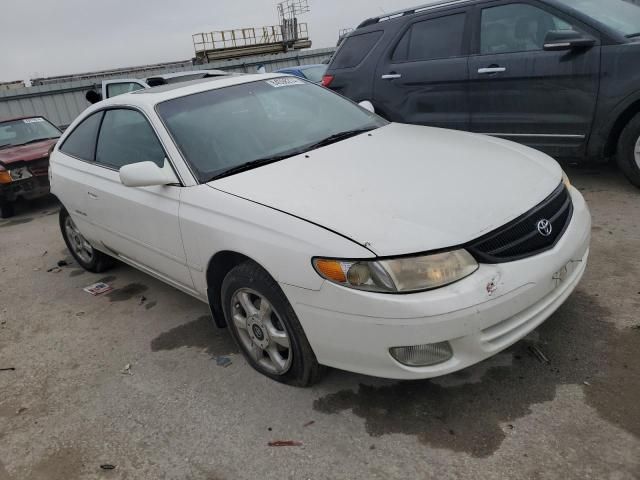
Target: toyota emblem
[{"x": 545, "y": 228}]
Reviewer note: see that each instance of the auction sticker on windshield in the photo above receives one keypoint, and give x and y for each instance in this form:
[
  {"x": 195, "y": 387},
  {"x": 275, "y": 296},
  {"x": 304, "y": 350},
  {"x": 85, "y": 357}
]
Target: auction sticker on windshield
[
  {"x": 33, "y": 120},
  {"x": 284, "y": 82}
]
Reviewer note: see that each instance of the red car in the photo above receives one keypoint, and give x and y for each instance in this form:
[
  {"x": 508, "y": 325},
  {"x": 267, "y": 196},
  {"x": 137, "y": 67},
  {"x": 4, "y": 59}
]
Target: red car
[{"x": 25, "y": 144}]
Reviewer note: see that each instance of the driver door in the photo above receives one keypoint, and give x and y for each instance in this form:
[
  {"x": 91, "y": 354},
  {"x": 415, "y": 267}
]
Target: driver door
[
  {"x": 519, "y": 91},
  {"x": 139, "y": 224}
]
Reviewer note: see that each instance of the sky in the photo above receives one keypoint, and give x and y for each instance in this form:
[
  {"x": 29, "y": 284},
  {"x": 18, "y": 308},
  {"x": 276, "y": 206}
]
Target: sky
[{"x": 42, "y": 38}]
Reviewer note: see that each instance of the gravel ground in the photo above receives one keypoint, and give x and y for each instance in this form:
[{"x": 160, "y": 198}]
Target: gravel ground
[{"x": 70, "y": 405}]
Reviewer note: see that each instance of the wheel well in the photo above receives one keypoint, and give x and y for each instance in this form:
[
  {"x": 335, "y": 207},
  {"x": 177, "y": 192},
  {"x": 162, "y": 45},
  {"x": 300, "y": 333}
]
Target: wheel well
[
  {"x": 611, "y": 146},
  {"x": 219, "y": 266}
]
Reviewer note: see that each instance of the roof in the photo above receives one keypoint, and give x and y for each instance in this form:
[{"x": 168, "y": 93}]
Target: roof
[
  {"x": 189, "y": 73},
  {"x": 412, "y": 10},
  {"x": 152, "y": 96},
  {"x": 13, "y": 119}
]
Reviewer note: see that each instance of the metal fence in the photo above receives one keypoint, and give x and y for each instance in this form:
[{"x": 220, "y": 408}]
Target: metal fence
[{"x": 61, "y": 103}]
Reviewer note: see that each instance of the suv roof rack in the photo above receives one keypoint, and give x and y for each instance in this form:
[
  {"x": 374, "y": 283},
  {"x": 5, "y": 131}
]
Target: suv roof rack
[{"x": 410, "y": 11}]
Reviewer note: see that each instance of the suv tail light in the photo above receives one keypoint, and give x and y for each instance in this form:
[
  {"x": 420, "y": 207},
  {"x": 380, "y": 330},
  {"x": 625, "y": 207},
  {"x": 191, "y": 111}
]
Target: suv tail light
[{"x": 327, "y": 80}]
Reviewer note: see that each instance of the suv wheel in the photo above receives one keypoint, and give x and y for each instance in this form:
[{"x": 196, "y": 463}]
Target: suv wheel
[
  {"x": 629, "y": 151},
  {"x": 6, "y": 209},
  {"x": 81, "y": 250},
  {"x": 266, "y": 328}
]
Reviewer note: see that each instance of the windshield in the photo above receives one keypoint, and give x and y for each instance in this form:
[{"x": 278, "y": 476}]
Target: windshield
[
  {"x": 221, "y": 130},
  {"x": 28, "y": 130},
  {"x": 315, "y": 74},
  {"x": 619, "y": 15}
]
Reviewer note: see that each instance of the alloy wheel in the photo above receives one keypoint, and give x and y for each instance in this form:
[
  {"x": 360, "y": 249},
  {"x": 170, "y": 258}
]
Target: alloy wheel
[
  {"x": 78, "y": 243},
  {"x": 261, "y": 331}
]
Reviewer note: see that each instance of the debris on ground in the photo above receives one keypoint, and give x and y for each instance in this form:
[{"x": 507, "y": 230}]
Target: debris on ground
[
  {"x": 285, "y": 443},
  {"x": 142, "y": 300},
  {"x": 45, "y": 252},
  {"x": 98, "y": 289},
  {"x": 21, "y": 410},
  {"x": 126, "y": 370},
  {"x": 63, "y": 263},
  {"x": 8, "y": 369},
  {"x": 223, "y": 361},
  {"x": 587, "y": 384},
  {"x": 539, "y": 354},
  {"x": 54, "y": 270},
  {"x": 308, "y": 424},
  {"x": 107, "y": 466}
]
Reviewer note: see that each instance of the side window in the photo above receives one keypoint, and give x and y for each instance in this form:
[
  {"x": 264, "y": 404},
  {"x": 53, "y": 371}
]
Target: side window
[
  {"x": 82, "y": 141},
  {"x": 432, "y": 39},
  {"x": 517, "y": 27},
  {"x": 354, "y": 49},
  {"x": 125, "y": 138},
  {"x": 115, "y": 89}
]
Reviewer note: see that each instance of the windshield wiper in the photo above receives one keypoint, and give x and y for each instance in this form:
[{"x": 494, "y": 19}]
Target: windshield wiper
[
  {"x": 336, "y": 137},
  {"x": 35, "y": 140},
  {"x": 6, "y": 145},
  {"x": 251, "y": 165},
  {"x": 266, "y": 161},
  {"x": 633, "y": 35}
]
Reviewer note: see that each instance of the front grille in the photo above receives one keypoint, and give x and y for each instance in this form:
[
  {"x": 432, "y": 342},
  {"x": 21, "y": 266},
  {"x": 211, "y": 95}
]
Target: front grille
[
  {"x": 522, "y": 237},
  {"x": 39, "y": 168}
]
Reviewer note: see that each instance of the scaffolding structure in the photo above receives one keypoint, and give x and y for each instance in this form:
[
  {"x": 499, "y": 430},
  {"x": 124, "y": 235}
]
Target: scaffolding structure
[{"x": 288, "y": 35}]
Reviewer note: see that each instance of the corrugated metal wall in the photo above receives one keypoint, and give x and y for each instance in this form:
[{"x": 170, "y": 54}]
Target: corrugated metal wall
[{"x": 62, "y": 103}]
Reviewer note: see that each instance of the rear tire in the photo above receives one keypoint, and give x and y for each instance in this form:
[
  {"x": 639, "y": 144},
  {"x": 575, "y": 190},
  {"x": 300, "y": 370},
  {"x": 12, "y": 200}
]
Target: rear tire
[
  {"x": 629, "y": 151},
  {"x": 273, "y": 342},
  {"x": 87, "y": 257},
  {"x": 6, "y": 209}
]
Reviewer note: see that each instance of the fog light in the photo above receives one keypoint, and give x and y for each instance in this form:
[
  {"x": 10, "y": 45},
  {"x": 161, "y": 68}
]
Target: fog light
[{"x": 422, "y": 355}]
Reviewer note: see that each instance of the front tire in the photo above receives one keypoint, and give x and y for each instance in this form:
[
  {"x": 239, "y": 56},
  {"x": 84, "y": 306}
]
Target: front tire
[
  {"x": 87, "y": 257},
  {"x": 629, "y": 151},
  {"x": 265, "y": 327}
]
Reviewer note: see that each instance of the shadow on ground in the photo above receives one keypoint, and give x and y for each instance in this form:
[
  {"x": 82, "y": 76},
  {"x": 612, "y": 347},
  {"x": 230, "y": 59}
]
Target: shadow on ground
[
  {"x": 200, "y": 333},
  {"x": 474, "y": 417}
]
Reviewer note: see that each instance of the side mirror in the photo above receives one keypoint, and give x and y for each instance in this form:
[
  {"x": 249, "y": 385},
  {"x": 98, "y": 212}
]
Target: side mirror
[
  {"x": 558, "y": 40},
  {"x": 367, "y": 105},
  {"x": 93, "y": 97},
  {"x": 147, "y": 174}
]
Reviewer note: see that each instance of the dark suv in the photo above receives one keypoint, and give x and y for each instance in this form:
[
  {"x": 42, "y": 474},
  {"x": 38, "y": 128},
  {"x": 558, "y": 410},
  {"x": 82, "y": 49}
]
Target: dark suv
[{"x": 562, "y": 76}]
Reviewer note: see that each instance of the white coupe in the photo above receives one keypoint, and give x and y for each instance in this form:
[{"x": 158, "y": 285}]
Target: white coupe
[{"x": 318, "y": 233}]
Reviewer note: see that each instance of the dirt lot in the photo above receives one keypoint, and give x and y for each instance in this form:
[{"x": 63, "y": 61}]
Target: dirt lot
[{"x": 67, "y": 408}]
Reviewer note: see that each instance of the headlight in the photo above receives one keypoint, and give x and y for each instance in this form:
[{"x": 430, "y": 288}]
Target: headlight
[
  {"x": 565, "y": 180},
  {"x": 399, "y": 275},
  {"x": 5, "y": 176}
]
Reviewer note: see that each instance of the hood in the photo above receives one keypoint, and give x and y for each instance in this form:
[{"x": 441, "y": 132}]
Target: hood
[
  {"x": 405, "y": 189},
  {"x": 26, "y": 153}
]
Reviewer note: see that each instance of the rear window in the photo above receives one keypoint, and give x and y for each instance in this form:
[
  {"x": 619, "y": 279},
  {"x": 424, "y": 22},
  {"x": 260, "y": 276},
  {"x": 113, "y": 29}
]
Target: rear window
[
  {"x": 432, "y": 39},
  {"x": 354, "y": 49}
]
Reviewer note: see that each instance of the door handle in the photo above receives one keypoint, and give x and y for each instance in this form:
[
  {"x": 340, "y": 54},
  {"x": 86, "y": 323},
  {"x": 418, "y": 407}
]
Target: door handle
[
  {"x": 92, "y": 196},
  {"x": 488, "y": 70},
  {"x": 391, "y": 76}
]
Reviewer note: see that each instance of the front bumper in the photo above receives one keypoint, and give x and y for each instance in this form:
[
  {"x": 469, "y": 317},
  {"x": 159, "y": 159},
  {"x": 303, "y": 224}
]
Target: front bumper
[
  {"x": 29, "y": 188},
  {"x": 480, "y": 315}
]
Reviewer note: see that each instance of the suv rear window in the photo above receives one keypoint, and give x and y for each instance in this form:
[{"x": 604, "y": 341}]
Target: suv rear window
[
  {"x": 354, "y": 49},
  {"x": 432, "y": 39}
]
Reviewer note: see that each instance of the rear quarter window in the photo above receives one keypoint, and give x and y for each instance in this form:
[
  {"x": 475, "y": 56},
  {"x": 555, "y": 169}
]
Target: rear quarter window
[{"x": 355, "y": 49}]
